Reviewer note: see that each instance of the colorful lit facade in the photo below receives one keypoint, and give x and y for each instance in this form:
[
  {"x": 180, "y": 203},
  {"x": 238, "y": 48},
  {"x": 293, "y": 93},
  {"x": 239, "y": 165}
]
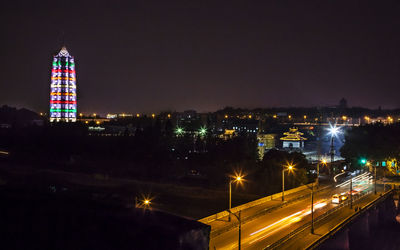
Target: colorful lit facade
[
  {"x": 293, "y": 139},
  {"x": 63, "y": 100}
]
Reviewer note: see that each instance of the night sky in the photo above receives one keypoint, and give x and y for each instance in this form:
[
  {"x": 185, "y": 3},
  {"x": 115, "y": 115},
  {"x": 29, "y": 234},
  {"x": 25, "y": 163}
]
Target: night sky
[{"x": 147, "y": 56}]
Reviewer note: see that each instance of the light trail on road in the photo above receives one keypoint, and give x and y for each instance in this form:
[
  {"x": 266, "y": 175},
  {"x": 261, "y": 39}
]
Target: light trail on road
[{"x": 269, "y": 228}]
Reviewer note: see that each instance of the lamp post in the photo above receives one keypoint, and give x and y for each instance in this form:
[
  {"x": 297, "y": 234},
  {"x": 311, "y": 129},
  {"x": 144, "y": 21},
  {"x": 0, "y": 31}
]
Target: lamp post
[
  {"x": 240, "y": 227},
  {"x": 289, "y": 168},
  {"x": 318, "y": 174},
  {"x": 375, "y": 179},
  {"x": 351, "y": 193},
  {"x": 333, "y": 131},
  {"x": 312, "y": 208},
  {"x": 143, "y": 203},
  {"x": 238, "y": 179}
]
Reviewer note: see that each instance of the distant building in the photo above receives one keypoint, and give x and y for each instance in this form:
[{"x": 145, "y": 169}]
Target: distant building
[
  {"x": 293, "y": 139},
  {"x": 240, "y": 125},
  {"x": 228, "y": 134},
  {"x": 112, "y": 116},
  {"x": 265, "y": 142},
  {"x": 63, "y": 100}
]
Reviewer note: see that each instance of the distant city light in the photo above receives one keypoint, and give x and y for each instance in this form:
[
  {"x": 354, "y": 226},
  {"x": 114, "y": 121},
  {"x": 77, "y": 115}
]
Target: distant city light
[
  {"x": 179, "y": 131},
  {"x": 203, "y": 131},
  {"x": 333, "y": 130}
]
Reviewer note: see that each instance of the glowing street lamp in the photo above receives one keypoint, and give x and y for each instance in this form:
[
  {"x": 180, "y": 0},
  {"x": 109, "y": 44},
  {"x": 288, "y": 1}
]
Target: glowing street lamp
[
  {"x": 333, "y": 131},
  {"x": 179, "y": 131},
  {"x": 145, "y": 202},
  {"x": 203, "y": 131},
  {"x": 289, "y": 168},
  {"x": 237, "y": 178}
]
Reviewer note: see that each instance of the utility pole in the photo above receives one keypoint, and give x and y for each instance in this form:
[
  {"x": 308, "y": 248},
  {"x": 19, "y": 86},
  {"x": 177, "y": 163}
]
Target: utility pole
[
  {"x": 332, "y": 151},
  {"x": 239, "y": 218},
  {"x": 240, "y": 229},
  {"x": 312, "y": 208},
  {"x": 375, "y": 178},
  {"x": 351, "y": 193},
  {"x": 318, "y": 174},
  {"x": 230, "y": 200},
  {"x": 318, "y": 148},
  {"x": 283, "y": 184}
]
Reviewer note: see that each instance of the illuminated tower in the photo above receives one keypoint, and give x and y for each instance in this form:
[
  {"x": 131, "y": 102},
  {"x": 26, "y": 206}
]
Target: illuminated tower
[{"x": 63, "y": 88}]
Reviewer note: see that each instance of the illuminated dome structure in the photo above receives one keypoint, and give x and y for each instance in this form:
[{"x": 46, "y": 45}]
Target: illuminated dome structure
[
  {"x": 63, "y": 101},
  {"x": 293, "y": 139}
]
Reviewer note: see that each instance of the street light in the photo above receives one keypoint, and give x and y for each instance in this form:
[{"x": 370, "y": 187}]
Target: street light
[
  {"x": 179, "y": 131},
  {"x": 144, "y": 203},
  {"x": 289, "y": 168},
  {"x": 240, "y": 227},
  {"x": 237, "y": 178},
  {"x": 203, "y": 131},
  {"x": 333, "y": 131}
]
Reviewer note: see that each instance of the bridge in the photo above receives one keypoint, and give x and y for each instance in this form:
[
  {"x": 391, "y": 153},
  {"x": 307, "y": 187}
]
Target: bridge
[{"x": 269, "y": 223}]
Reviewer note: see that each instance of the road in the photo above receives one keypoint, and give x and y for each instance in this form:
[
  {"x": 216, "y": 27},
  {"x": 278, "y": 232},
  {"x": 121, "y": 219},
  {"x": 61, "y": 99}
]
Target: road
[
  {"x": 219, "y": 225},
  {"x": 305, "y": 238},
  {"x": 271, "y": 227}
]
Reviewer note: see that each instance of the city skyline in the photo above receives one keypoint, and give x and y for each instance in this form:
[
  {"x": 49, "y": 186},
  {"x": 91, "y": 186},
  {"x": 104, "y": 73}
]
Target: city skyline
[{"x": 143, "y": 57}]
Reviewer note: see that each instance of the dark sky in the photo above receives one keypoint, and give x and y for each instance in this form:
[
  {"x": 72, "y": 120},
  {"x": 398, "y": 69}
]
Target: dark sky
[{"x": 147, "y": 56}]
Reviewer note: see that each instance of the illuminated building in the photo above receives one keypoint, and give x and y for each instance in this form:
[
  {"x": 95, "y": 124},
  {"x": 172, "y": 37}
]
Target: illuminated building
[
  {"x": 265, "y": 142},
  {"x": 228, "y": 134},
  {"x": 243, "y": 125},
  {"x": 63, "y": 101},
  {"x": 293, "y": 139}
]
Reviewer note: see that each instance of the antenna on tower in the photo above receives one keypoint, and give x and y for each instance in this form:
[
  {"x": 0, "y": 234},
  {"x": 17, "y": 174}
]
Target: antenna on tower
[{"x": 62, "y": 38}]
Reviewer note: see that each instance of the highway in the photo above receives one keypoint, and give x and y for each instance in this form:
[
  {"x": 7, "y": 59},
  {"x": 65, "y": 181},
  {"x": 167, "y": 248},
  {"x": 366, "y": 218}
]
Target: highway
[{"x": 269, "y": 228}]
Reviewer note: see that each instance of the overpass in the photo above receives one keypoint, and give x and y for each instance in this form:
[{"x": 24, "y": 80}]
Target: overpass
[
  {"x": 274, "y": 224},
  {"x": 358, "y": 231}
]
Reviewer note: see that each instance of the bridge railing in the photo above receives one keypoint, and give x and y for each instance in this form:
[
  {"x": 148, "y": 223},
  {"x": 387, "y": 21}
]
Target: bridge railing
[
  {"x": 236, "y": 209},
  {"x": 307, "y": 225},
  {"x": 350, "y": 219}
]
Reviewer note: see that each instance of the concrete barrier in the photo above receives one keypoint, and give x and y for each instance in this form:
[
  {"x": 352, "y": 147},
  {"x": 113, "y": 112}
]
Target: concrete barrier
[{"x": 250, "y": 204}]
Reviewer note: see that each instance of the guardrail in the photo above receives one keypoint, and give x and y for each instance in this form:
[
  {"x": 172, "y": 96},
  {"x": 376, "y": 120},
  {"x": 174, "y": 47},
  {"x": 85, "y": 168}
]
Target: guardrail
[
  {"x": 254, "y": 203},
  {"x": 348, "y": 220},
  {"x": 244, "y": 220},
  {"x": 300, "y": 229}
]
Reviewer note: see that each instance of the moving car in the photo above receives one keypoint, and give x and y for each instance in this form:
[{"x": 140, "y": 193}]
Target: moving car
[{"x": 338, "y": 198}]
